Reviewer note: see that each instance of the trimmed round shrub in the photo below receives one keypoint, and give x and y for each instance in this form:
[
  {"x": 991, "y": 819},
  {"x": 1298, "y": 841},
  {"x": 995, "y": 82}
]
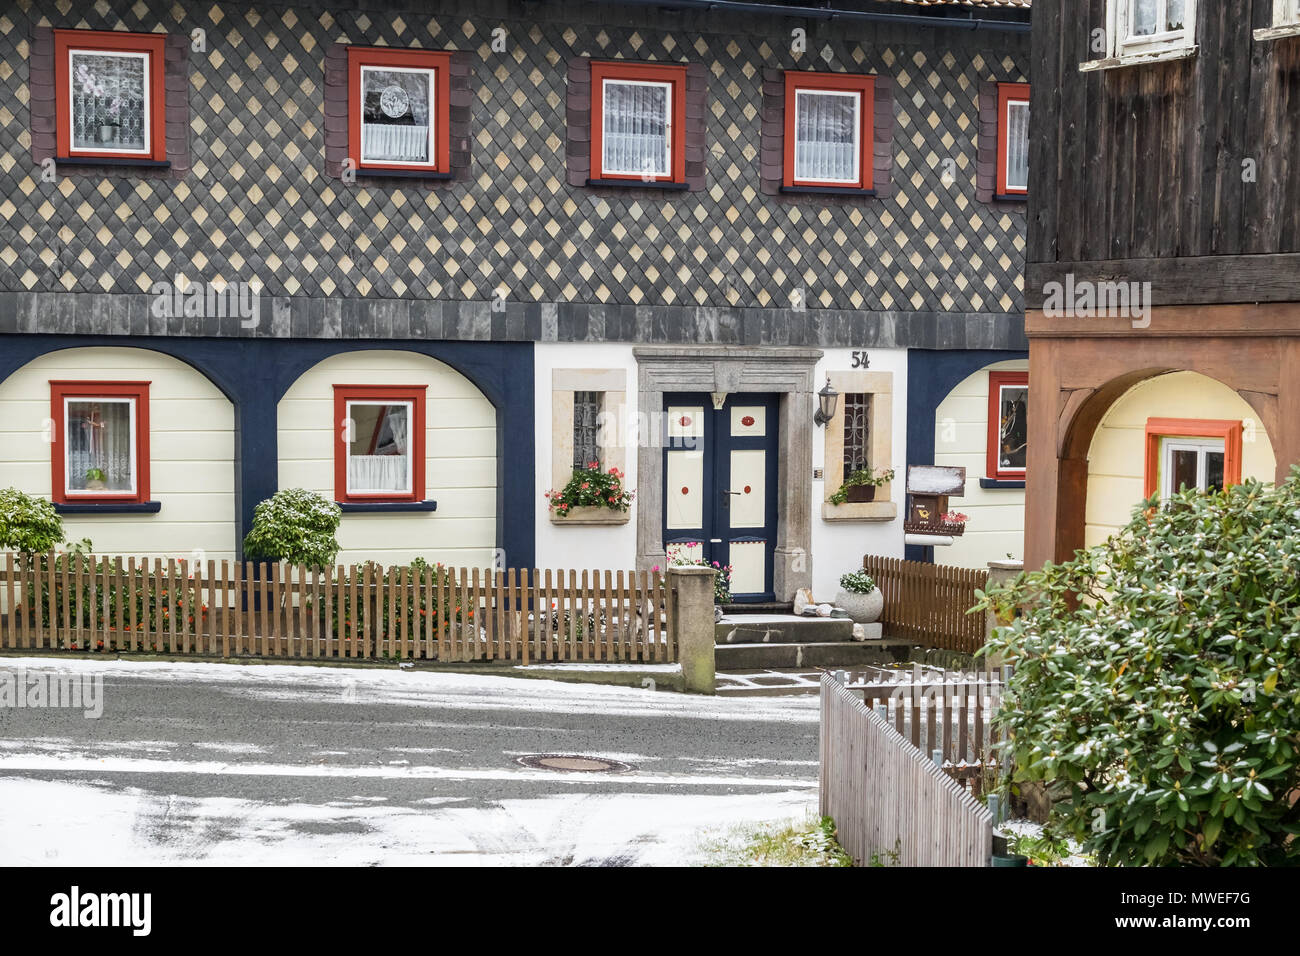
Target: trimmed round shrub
[
  {"x": 28, "y": 525},
  {"x": 296, "y": 526},
  {"x": 1155, "y": 690}
]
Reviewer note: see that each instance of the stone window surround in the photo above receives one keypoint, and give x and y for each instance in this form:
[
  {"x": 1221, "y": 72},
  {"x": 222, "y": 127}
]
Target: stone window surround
[
  {"x": 612, "y": 383},
  {"x": 788, "y": 372},
  {"x": 880, "y": 386}
]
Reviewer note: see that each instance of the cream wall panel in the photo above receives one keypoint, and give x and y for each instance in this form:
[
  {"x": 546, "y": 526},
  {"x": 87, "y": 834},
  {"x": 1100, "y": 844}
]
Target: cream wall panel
[
  {"x": 192, "y": 446},
  {"x": 997, "y": 515},
  {"x": 460, "y": 459},
  {"x": 1116, "y": 457}
]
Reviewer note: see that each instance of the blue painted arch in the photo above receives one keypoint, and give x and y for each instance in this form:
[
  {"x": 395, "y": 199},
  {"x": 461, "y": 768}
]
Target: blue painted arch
[
  {"x": 931, "y": 375},
  {"x": 255, "y": 374}
]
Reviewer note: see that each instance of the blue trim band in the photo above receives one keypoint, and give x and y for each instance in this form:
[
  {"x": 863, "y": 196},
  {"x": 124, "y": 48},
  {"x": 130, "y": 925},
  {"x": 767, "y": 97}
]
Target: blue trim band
[
  {"x": 386, "y": 507},
  {"x": 1000, "y": 483},
  {"x": 112, "y": 508}
]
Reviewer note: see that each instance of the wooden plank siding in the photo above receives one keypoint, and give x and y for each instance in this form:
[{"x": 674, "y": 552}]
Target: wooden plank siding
[
  {"x": 1137, "y": 164},
  {"x": 117, "y": 605}
]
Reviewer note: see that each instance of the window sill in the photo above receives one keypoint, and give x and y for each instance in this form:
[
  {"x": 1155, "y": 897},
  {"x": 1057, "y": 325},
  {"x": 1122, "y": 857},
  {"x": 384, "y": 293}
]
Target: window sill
[
  {"x": 1002, "y": 483},
  {"x": 1011, "y": 197},
  {"x": 860, "y": 511},
  {"x": 640, "y": 184},
  {"x": 1137, "y": 59},
  {"x": 386, "y": 507},
  {"x": 112, "y": 161},
  {"x": 827, "y": 191},
  {"x": 109, "y": 508},
  {"x": 401, "y": 173},
  {"x": 1278, "y": 33},
  {"x": 591, "y": 515}
]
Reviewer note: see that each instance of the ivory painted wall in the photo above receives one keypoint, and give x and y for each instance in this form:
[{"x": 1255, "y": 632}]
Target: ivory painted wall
[
  {"x": 838, "y": 546},
  {"x": 460, "y": 459},
  {"x": 1116, "y": 456},
  {"x": 997, "y": 515},
  {"x": 191, "y": 440},
  {"x": 610, "y": 547}
]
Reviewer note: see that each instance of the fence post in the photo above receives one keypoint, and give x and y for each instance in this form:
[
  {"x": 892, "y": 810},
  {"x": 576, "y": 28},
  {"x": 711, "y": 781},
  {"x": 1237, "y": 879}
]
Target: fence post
[
  {"x": 1000, "y": 572},
  {"x": 693, "y": 619}
]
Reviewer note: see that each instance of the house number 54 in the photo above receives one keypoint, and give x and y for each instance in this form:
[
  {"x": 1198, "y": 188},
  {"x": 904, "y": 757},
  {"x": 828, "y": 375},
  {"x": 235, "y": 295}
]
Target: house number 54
[{"x": 860, "y": 360}]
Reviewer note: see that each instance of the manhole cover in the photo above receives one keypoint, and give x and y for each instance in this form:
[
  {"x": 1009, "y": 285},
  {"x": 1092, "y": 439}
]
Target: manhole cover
[{"x": 572, "y": 763}]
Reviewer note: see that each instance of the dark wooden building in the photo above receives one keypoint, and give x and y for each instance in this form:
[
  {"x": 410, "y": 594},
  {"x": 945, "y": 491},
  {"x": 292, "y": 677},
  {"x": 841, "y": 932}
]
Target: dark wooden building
[{"x": 1163, "y": 275}]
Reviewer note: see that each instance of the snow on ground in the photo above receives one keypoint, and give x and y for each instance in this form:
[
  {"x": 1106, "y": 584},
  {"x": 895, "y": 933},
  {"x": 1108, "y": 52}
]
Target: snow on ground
[
  {"x": 373, "y": 685},
  {"x": 91, "y": 824}
]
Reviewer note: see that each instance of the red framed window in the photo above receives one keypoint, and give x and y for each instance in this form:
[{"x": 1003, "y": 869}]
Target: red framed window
[
  {"x": 109, "y": 94},
  {"x": 1013, "y": 139},
  {"x": 100, "y": 452},
  {"x": 398, "y": 109},
  {"x": 829, "y": 121},
  {"x": 1200, "y": 453},
  {"x": 638, "y": 122},
  {"x": 379, "y": 449},
  {"x": 1008, "y": 436}
]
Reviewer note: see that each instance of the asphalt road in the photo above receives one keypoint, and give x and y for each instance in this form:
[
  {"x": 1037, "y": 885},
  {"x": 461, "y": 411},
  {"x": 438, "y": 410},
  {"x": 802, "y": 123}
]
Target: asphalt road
[{"x": 221, "y": 764}]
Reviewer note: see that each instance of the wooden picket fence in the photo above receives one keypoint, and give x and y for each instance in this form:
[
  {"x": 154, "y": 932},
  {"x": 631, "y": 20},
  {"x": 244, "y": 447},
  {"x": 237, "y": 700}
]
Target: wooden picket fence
[
  {"x": 367, "y": 611},
  {"x": 887, "y": 797},
  {"x": 927, "y": 603},
  {"x": 948, "y": 714}
]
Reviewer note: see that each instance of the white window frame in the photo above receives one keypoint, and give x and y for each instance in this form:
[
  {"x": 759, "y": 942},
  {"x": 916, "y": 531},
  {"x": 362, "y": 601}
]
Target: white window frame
[
  {"x": 147, "y": 149},
  {"x": 431, "y": 76},
  {"x": 1286, "y": 13},
  {"x": 856, "y": 96},
  {"x": 1201, "y": 446},
  {"x": 410, "y": 451},
  {"x": 1123, "y": 43},
  {"x": 1022, "y": 103},
  {"x": 1001, "y": 390},
  {"x": 609, "y": 81},
  {"x": 68, "y": 400}
]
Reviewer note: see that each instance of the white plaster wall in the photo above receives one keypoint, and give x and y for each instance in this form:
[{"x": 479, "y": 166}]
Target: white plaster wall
[
  {"x": 460, "y": 459},
  {"x": 191, "y": 444},
  {"x": 602, "y": 547},
  {"x": 1116, "y": 457},
  {"x": 997, "y": 515},
  {"x": 838, "y": 546}
]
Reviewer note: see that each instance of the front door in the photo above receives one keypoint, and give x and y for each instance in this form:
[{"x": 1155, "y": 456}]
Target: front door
[{"x": 720, "y": 486}]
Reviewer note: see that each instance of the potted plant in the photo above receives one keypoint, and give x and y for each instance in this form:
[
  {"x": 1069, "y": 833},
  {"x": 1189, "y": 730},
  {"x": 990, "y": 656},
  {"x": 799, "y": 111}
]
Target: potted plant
[
  {"x": 953, "y": 522},
  {"x": 589, "y": 491},
  {"x": 860, "y": 485},
  {"x": 722, "y": 572},
  {"x": 96, "y": 480},
  {"x": 860, "y": 598}
]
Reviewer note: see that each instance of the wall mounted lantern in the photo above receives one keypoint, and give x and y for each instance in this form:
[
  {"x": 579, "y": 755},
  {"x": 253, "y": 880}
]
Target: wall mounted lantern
[{"x": 827, "y": 399}]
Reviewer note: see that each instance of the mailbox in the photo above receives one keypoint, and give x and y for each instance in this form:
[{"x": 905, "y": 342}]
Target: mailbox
[{"x": 928, "y": 490}]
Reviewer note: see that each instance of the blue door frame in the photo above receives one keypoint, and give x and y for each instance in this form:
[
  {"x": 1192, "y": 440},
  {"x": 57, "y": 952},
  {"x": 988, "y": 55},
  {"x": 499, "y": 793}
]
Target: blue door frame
[{"x": 715, "y": 533}]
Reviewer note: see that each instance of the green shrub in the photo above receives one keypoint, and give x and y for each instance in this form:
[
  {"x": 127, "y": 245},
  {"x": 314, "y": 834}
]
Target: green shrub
[
  {"x": 1155, "y": 687},
  {"x": 296, "y": 526},
  {"x": 28, "y": 525}
]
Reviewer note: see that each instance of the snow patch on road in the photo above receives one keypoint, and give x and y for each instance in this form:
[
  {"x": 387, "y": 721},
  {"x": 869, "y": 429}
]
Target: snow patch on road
[{"x": 47, "y": 824}]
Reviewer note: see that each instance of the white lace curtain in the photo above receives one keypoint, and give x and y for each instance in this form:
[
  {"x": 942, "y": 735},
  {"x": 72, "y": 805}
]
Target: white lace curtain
[
  {"x": 384, "y": 472},
  {"x": 1018, "y": 146},
  {"x": 108, "y": 103},
  {"x": 825, "y": 137},
  {"x": 395, "y": 116},
  {"x": 635, "y": 128},
  {"x": 99, "y": 437}
]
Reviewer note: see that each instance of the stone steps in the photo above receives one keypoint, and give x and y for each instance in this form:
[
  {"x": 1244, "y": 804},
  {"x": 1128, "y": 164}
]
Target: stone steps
[
  {"x": 781, "y": 629},
  {"x": 779, "y": 655}
]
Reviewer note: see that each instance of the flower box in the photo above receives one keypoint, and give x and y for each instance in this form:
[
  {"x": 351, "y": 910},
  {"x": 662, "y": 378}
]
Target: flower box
[{"x": 591, "y": 515}]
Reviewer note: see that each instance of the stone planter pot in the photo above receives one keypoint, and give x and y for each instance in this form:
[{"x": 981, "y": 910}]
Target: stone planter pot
[
  {"x": 861, "y": 493},
  {"x": 862, "y": 608}
]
